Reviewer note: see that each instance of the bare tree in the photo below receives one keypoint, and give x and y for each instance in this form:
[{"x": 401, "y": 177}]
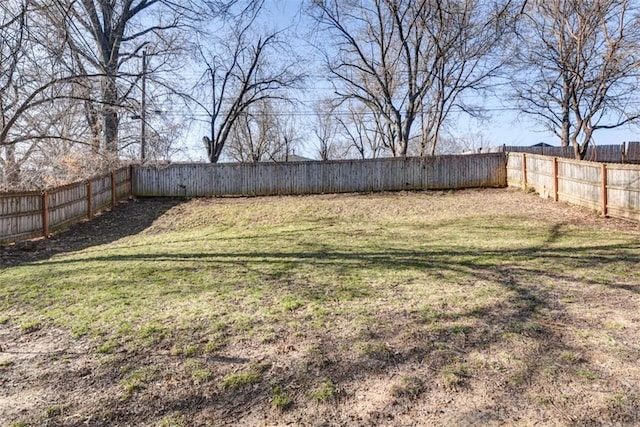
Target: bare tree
[
  {"x": 262, "y": 133},
  {"x": 288, "y": 135},
  {"x": 107, "y": 38},
  {"x": 241, "y": 72},
  {"x": 254, "y": 136},
  {"x": 364, "y": 132},
  {"x": 401, "y": 58},
  {"x": 325, "y": 128},
  {"x": 31, "y": 85},
  {"x": 577, "y": 67}
]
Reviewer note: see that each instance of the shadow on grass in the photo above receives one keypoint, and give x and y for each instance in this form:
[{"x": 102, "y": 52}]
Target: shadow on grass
[
  {"x": 521, "y": 323},
  {"x": 402, "y": 342},
  {"x": 126, "y": 219},
  {"x": 438, "y": 260}
]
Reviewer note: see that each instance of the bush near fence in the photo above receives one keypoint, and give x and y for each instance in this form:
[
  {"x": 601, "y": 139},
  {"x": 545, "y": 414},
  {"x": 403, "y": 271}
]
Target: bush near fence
[{"x": 34, "y": 214}]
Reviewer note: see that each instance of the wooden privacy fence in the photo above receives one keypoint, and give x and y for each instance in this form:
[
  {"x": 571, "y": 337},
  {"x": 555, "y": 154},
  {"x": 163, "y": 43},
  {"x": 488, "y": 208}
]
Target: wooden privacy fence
[
  {"x": 628, "y": 152},
  {"x": 342, "y": 176},
  {"x": 611, "y": 189},
  {"x": 32, "y": 214}
]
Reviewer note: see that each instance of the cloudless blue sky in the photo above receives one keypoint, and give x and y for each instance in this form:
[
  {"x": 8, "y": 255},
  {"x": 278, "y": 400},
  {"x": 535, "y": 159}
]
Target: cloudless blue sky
[{"x": 503, "y": 126}]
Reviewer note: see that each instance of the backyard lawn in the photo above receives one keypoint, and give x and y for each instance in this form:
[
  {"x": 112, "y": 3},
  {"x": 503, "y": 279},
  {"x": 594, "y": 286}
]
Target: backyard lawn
[{"x": 475, "y": 307}]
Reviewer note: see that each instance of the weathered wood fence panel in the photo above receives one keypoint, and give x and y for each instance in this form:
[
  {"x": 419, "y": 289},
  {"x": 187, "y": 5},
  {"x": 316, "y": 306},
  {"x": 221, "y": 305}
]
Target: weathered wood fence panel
[
  {"x": 612, "y": 189},
  {"x": 565, "y": 152},
  {"x": 20, "y": 215},
  {"x": 516, "y": 171},
  {"x": 623, "y": 188},
  {"x": 539, "y": 170},
  {"x": 605, "y": 153},
  {"x": 632, "y": 152},
  {"x": 67, "y": 204},
  {"x": 579, "y": 183},
  {"x": 32, "y": 214},
  {"x": 343, "y": 176},
  {"x": 615, "y": 153}
]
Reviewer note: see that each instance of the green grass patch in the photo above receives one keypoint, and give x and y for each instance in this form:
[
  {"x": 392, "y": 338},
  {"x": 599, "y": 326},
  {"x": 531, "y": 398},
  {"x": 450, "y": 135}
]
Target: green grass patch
[
  {"x": 238, "y": 380},
  {"x": 280, "y": 400},
  {"x": 325, "y": 391},
  {"x": 281, "y": 259},
  {"x": 138, "y": 379}
]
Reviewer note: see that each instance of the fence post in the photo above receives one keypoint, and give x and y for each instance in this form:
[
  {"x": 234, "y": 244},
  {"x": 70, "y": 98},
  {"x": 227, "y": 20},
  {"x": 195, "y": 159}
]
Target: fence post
[
  {"x": 113, "y": 190},
  {"x": 89, "y": 200},
  {"x": 603, "y": 169},
  {"x": 130, "y": 180},
  {"x": 555, "y": 179},
  {"x": 524, "y": 171},
  {"x": 45, "y": 214}
]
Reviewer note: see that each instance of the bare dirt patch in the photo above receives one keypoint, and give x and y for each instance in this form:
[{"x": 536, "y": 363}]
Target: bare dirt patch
[{"x": 540, "y": 331}]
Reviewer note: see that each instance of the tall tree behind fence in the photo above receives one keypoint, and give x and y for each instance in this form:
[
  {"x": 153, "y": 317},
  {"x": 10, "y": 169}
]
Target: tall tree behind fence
[
  {"x": 612, "y": 189},
  {"x": 342, "y": 176},
  {"x": 32, "y": 214}
]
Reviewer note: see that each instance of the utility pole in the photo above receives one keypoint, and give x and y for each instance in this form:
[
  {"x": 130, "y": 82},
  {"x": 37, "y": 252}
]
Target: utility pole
[{"x": 143, "y": 108}]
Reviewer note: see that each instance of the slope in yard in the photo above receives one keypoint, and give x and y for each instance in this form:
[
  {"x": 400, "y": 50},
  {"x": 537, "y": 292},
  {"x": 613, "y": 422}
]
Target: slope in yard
[{"x": 459, "y": 308}]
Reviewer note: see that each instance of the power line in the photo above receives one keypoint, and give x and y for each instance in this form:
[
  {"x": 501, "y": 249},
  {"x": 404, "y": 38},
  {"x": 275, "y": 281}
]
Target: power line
[{"x": 89, "y": 47}]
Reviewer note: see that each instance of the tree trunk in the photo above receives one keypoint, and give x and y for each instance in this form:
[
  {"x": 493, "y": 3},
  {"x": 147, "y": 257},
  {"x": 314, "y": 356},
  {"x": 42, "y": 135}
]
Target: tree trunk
[
  {"x": 110, "y": 118},
  {"x": 566, "y": 128},
  {"x": 12, "y": 167}
]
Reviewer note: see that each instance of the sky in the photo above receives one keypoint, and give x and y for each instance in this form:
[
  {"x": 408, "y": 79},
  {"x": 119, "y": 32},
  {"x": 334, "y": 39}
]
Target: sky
[{"x": 503, "y": 125}]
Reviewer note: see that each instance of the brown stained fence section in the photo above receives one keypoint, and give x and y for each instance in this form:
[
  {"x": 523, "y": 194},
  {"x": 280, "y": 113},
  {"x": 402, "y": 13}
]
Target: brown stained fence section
[
  {"x": 33, "y": 214},
  {"x": 343, "y": 176},
  {"x": 611, "y": 189}
]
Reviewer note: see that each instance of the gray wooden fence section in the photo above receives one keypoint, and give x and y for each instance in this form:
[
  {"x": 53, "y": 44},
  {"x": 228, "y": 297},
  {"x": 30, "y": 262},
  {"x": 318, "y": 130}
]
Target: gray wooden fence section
[
  {"x": 344, "y": 176},
  {"x": 20, "y": 215},
  {"x": 632, "y": 152},
  {"x": 32, "y": 214},
  {"x": 628, "y": 152},
  {"x": 612, "y": 189}
]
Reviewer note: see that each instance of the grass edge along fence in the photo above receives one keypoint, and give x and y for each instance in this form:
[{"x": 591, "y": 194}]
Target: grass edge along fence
[
  {"x": 318, "y": 177},
  {"x": 610, "y": 189},
  {"x": 38, "y": 213}
]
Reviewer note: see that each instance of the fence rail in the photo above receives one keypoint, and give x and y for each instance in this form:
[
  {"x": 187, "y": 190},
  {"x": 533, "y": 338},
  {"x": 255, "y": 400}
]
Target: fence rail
[
  {"x": 33, "y": 214},
  {"x": 611, "y": 189},
  {"x": 343, "y": 176}
]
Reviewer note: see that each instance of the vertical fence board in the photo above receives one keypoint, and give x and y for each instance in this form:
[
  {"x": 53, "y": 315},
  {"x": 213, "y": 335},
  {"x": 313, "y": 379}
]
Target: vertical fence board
[{"x": 514, "y": 170}]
